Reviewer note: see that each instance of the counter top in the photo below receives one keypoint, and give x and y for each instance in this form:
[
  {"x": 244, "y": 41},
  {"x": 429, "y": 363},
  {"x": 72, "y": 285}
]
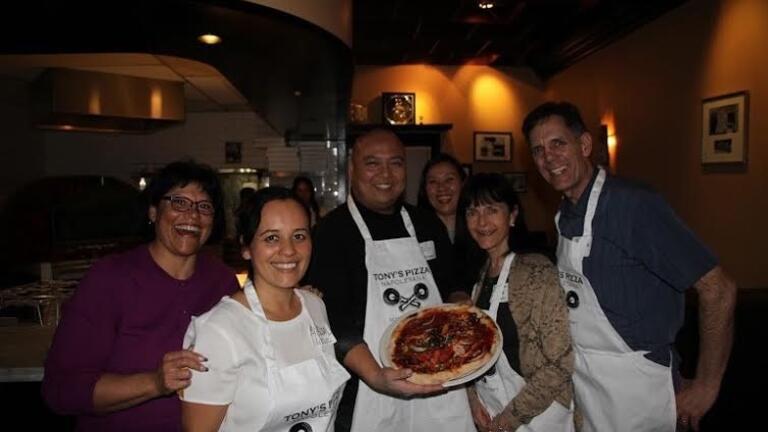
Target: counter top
[{"x": 23, "y": 349}]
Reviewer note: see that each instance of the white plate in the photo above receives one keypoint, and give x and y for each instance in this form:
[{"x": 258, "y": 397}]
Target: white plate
[{"x": 385, "y": 360}]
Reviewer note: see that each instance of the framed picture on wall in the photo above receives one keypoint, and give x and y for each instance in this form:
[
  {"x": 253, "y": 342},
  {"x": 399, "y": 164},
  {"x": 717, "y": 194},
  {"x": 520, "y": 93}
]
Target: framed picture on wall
[
  {"x": 233, "y": 151},
  {"x": 518, "y": 180},
  {"x": 398, "y": 108},
  {"x": 493, "y": 146},
  {"x": 724, "y": 129}
]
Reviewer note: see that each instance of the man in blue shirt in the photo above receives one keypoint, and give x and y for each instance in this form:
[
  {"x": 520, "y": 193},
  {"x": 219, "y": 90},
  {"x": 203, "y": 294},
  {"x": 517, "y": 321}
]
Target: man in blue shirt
[{"x": 625, "y": 260}]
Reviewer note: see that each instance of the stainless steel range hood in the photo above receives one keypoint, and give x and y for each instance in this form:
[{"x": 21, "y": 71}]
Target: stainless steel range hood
[{"x": 68, "y": 99}]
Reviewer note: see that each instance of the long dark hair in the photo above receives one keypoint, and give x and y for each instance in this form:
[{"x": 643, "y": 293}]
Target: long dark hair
[
  {"x": 565, "y": 110},
  {"x": 249, "y": 215},
  {"x": 487, "y": 188},
  {"x": 312, "y": 201},
  {"x": 180, "y": 174},
  {"x": 423, "y": 200}
]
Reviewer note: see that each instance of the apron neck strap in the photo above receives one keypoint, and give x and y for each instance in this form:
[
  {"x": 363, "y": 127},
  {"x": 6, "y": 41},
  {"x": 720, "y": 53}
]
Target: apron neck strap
[
  {"x": 363, "y": 228},
  {"x": 253, "y": 299},
  {"x": 255, "y": 305},
  {"x": 594, "y": 196},
  {"x": 501, "y": 284}
]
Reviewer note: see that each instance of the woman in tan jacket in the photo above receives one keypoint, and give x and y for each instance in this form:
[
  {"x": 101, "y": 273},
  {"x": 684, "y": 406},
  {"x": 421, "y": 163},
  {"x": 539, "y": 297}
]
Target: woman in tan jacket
[{"x": 529, "y": 388}]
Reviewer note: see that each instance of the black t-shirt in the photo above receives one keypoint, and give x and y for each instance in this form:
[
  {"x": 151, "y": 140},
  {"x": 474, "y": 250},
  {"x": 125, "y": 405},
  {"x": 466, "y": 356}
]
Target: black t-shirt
[
  {"x": 506, "y": 323},
  {"x": 338, "y": 263}
]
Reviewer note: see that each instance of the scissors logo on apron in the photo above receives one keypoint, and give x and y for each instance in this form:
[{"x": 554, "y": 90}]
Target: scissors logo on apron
[
  {"x": 393, "y": 297},
  {"x": 572, "y": 299}
]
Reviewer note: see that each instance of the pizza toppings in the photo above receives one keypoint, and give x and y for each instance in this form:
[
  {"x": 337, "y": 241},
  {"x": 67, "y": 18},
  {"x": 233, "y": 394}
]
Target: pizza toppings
[{"x": 443, "y": 340}]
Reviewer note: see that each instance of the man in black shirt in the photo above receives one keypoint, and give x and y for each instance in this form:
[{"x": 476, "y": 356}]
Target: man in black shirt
[{"x": 376, "y": 258}]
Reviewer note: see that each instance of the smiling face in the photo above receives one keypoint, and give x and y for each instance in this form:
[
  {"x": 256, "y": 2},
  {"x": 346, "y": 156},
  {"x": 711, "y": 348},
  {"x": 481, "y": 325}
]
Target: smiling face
[
  {"x": 181, "y": 234},
  {"x": 489, "y": 224},
  {"x": 443, "y": 187},
  {"x": 281, "y": 247},
  {"x": 562, "y": 157},
  {"x": 377, "y": 171}
]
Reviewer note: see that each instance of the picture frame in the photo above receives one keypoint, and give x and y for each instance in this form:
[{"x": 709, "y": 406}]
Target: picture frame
[
  {"x": 518, "y": 180},
  {"x": 724, "y": 126},
  {"x": 398, "y": 108},
  {"x": 233, "y": 152},
  {"x": 493, "y": 146}
]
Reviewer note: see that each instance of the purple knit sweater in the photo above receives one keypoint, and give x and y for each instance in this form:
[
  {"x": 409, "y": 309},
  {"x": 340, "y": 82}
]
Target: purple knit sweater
[{"x": 125, "y": 314}]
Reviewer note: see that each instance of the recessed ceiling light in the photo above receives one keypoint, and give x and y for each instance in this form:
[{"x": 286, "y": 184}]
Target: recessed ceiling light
[
  {"x": 485, "y": 4},
  {"x": 209, "y": 39}
]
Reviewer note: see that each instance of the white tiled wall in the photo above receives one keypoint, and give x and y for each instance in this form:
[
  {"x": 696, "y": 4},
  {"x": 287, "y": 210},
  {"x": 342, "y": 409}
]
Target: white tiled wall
[{"x": 202, "y": 137}]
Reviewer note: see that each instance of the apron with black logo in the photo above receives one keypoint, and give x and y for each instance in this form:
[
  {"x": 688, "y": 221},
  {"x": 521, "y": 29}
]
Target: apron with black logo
[
  {"x": 498, "y": 387},
  {"x": 617, "y": 389},
  {"x": 400, "y": 281},
  {"x": 305, "y": 395}
]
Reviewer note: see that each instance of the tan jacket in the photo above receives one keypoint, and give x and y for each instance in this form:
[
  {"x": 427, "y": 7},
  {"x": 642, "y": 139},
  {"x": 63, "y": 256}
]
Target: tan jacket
[{"x": 546, "y": 356}]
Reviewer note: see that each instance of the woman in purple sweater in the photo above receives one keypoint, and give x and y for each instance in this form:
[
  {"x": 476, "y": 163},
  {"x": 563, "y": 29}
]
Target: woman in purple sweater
[{"x": 117, "y": 360}]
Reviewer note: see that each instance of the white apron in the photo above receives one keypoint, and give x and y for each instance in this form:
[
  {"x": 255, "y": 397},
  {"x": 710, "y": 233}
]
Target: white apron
[
  {"x": 305, "y": 396},
  {"x": 617, "y": 389},
  {"x": 498, "y": 388},
  {"x": 400, "y": 281}
]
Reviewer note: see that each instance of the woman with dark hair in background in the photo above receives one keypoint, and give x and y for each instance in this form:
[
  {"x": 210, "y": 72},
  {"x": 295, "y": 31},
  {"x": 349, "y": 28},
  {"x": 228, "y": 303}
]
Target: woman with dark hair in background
[
  {"x": 117, "y": 360},
  {"x": 530, "y": 387},
  {"x": 305, "y": 190},
  {"x": 439, "y": 188},
  {"x": 270, "y": 348},
  {"x": 246, "y": 192}
]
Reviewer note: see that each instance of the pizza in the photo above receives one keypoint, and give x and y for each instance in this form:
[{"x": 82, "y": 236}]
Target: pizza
[{"x": 443, "y": 343}]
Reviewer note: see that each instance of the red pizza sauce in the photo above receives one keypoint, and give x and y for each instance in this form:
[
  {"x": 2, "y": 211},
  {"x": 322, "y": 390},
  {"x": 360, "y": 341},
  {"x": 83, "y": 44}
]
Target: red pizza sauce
[{"x": 442, "y": 340}]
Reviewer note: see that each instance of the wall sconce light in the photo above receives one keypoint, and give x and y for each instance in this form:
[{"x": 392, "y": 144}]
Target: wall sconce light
[
  {"x": 613, "y": 147},
  {"x": 605, "y": 153}
]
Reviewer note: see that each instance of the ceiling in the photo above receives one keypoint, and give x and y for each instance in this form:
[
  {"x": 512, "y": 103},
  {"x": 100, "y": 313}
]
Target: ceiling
[
  {"x": 296, "y": 76},
  {"x": 545, "y": 35},
  {"x": 205, "y": 89}
]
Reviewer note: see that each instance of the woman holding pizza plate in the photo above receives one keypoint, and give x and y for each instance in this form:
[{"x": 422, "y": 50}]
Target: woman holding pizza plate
[{"x": 530, "y": 387}]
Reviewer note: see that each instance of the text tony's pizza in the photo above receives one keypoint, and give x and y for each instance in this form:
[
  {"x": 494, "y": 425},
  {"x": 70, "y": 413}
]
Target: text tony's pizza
[{"x": 443, "y": 343}]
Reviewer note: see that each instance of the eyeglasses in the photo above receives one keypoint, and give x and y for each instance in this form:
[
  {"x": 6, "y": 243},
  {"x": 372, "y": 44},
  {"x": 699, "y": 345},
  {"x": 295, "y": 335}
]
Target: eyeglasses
[{"x": 184, "y": 204}]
